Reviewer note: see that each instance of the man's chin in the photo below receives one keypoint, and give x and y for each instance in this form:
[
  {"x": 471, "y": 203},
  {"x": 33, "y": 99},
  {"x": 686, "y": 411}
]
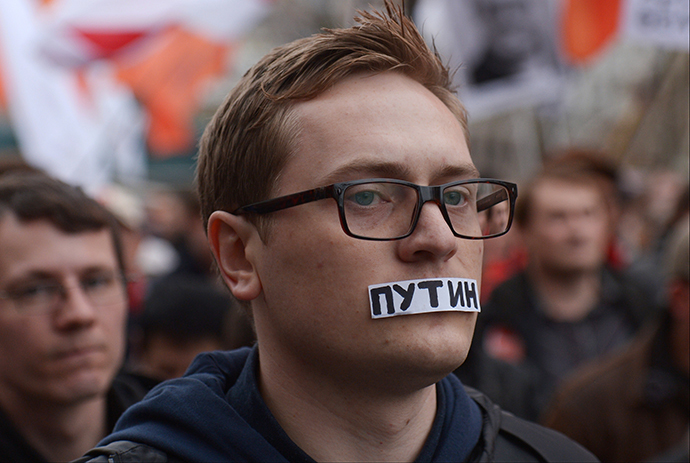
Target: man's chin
[
  {"x": 81, "y": 387},
  {"x": 426, "y": 365}
]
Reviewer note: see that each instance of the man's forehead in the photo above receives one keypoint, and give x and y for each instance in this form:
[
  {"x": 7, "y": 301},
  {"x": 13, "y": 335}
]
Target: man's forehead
[
  {"x": 345, "y": 95},
  {"x": 559, "y": 194},
  {"x": 39, "y": 247},
  {"x": 381, "y": 125},
  {"x": 546, "y": 187}
]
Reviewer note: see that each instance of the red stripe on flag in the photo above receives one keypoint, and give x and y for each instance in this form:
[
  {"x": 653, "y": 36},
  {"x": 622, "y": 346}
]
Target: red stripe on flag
[{"x": 107, "y": 44}]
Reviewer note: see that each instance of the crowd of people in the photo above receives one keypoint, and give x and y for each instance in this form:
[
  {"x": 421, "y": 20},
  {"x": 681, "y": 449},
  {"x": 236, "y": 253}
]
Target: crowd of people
[
  {"x": 576, "y": 331},
  {"x": 106, "y": 302}
]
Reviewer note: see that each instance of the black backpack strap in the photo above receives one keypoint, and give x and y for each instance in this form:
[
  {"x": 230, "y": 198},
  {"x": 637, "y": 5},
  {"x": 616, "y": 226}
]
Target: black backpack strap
[
  {"x": 123, "y": 452},
  {"x": 550, "y": 445},
  {"x": 511, "y": 439}
]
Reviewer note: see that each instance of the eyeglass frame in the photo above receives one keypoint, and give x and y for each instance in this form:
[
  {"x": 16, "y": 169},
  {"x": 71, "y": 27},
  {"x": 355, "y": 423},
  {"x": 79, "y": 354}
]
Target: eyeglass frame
[{"x": 425, "y": 194}]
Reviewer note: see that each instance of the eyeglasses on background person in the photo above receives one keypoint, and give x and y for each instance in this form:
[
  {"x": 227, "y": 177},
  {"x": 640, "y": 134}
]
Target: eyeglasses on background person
[
  {"x": 38, "y": 296},
  {"x": 388, "y": 209}
]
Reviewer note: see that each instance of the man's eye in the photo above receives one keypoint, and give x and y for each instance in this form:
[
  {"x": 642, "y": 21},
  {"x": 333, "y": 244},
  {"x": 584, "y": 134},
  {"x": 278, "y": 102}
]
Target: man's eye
[
  {"x": 454, "y": 198},
  {"x": 364, "y": 198},
  {"x": 97, "y": 282},
  {"x": 35, "y": 291}
]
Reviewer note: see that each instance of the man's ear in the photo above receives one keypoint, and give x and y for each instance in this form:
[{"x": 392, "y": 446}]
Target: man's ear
[{"x": 229, "y": 236}]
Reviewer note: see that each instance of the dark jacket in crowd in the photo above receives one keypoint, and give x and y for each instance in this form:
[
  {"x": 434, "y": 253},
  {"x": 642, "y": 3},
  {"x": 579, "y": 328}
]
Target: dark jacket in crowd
[
  {"x": 216, "y": 413},
  {"x": 630, "y": 406},
  {"x": 511, "y": 387},
  {"x": 126, "y": 390},
  {"x": 553, "y": 349}
]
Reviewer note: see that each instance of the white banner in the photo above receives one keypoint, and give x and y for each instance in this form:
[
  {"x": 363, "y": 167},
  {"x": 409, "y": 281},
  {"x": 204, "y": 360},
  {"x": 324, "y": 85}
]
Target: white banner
[
  {"x": 665, "y": 23},
  {"x": 505, "y": 53},
  {"x": 77, "y": 31}
]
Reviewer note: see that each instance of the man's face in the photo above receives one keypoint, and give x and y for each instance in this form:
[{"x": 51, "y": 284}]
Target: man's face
[
  {"x": 70, "y": 353},
  {"x": 314, "y": 307},
  {"x": 568, "y": 227}
]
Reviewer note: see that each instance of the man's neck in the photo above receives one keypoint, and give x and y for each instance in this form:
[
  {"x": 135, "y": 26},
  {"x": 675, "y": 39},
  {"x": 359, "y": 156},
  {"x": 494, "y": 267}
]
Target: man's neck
[
  {"x": 566, "y": 296},
  {"x": 335, "y": 423},
  {"x": 56, "y": 431}
]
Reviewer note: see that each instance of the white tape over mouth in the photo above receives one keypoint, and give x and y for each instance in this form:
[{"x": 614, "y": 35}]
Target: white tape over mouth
[{"x": 423, "y": 296}]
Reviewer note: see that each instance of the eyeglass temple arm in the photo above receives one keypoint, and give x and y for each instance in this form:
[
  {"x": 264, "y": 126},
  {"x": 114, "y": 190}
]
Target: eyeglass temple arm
[
  {"x": 491, "y": 200},
  {"x": 284, "y": 202}
]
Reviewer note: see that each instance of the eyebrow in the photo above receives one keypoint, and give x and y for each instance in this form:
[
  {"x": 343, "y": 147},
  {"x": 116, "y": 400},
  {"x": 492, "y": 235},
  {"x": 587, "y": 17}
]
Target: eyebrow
[
  {"x": 465, "y": 171},
  {"x": 394, "y": 170}
]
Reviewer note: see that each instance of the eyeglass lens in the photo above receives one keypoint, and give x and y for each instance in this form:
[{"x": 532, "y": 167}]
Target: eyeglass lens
[{"x": 385, "y": 210}]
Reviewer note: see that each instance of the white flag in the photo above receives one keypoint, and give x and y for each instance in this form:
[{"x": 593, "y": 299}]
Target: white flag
[{"x": 71, "y": 115}]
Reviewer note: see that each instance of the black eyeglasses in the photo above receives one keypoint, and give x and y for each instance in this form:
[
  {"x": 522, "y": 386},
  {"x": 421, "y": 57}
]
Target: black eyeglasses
[{"x": 388, "y": 209}]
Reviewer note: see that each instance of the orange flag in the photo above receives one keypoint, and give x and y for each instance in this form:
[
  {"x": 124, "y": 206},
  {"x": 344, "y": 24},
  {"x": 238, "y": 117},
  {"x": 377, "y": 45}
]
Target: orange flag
[
  {"x": 169, "y": 83},
  {"x": 588, "y": 26}
]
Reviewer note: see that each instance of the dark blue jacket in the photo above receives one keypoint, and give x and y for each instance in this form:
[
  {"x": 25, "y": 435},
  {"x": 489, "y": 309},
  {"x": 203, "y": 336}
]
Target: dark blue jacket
[{"x": 215, "y": 413}]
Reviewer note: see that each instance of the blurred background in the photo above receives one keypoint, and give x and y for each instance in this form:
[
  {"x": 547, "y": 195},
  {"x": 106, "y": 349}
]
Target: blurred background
[
  {"x": 97, "y": 91},
  {"x": 113, "y": 94}
]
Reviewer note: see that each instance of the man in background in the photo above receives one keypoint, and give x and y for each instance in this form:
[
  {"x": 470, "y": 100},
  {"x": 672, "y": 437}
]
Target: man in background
[
  {"x": 63, "y": 308},
  {"x": 568, "y": 306},
  {"x": 634, "y": 405}
]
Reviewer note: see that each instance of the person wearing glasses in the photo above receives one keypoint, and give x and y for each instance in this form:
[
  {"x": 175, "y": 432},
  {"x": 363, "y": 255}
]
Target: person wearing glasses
[
  {"x": 345, "y": 213},
  {"x": 63, "y": 308}
]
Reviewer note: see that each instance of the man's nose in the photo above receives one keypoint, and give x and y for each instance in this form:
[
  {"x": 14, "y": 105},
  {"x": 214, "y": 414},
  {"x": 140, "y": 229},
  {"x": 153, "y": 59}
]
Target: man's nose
[
  {"x": 579, "y": 222},
  {"x": 76, "y": 309},
  {"x": 431, "y": 238}
]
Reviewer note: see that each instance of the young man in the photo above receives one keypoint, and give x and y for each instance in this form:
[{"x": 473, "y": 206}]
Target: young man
[
  {"x": 314, "y": 176},
  {"x": 62, "y": 321}
]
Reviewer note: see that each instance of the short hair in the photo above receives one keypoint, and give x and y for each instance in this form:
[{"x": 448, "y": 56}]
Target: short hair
[
  {"x": 575, "y": 168},
  {"x": 185, "y": 308},
  {"x": 16, "y": 163},
  {"x": 248, "y": 141},
  {"x": 33, "y": 196},
  {"x": 586, "y": 160}
]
